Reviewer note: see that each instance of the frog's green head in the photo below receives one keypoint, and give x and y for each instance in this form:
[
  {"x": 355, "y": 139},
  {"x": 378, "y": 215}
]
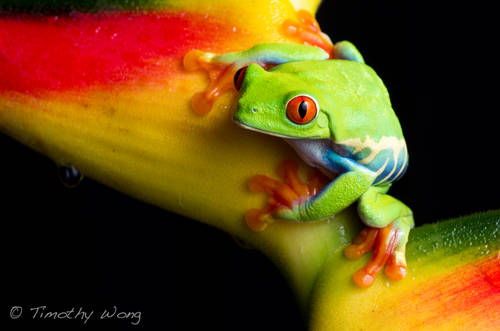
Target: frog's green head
[
  {"x": 277, "y": 105},
  {"x": 334, "y": 99}
]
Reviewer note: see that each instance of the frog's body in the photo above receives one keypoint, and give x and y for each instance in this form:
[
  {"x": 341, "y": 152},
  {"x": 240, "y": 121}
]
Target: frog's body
[
  {"x": 388, "y": 158},
  {"x": 338, "y": 117},
  {"x": 362, "y": 126}
]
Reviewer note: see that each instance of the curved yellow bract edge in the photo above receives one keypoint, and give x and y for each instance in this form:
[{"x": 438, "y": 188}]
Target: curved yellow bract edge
[
  {"x": 147, "y": 142},
  {"x": 439, "y": 293}
]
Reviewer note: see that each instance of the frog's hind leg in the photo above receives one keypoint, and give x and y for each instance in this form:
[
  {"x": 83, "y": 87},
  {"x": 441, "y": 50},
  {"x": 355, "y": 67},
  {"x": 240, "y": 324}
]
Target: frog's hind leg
[{"x": 389, "y": 222}]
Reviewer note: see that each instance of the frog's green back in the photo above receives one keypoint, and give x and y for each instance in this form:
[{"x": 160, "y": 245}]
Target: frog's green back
[{"x": 351, "y": 94}]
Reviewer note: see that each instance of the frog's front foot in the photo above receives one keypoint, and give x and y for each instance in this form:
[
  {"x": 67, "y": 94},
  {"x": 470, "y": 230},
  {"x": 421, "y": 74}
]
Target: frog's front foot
[
  {"x": 388, "y": 245},
  {"x": 227, "y": 71},
  {"x": 220, "y": 75},
  {"x": 284, "y": 196}
]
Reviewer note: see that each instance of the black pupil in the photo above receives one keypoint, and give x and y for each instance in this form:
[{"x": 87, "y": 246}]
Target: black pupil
[{"x": 303, "y": 109}]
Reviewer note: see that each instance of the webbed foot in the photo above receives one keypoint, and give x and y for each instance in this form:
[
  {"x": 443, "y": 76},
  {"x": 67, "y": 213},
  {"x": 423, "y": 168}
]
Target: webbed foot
[
  {"x": 388, "y": 245},
  {"x": 283, "y": 195},
  {"x": 221, "y": 78}
]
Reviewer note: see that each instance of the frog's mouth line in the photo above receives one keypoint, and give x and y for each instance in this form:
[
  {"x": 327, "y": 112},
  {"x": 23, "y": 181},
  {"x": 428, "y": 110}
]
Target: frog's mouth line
[{"x": 251, "y": 128}]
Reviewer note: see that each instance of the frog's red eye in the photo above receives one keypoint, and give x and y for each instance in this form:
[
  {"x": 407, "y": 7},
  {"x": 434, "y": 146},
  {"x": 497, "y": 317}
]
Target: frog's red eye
[
  {"x": 301, "y": 109},
  {"x": 239, "y": 76}
]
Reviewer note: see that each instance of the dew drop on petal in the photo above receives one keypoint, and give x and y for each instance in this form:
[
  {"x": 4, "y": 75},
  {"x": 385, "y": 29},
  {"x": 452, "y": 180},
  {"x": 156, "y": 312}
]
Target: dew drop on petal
[{"x": 70, "y": 176}]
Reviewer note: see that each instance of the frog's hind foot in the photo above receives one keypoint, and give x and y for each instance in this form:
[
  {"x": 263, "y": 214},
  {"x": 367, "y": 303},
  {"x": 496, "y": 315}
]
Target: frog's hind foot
[
  {"x": 363, "y": 243},
  {"x": 282, "y": 194},
  {"x": 388, "y": 245},
  {"x": 307, "y": 30}
]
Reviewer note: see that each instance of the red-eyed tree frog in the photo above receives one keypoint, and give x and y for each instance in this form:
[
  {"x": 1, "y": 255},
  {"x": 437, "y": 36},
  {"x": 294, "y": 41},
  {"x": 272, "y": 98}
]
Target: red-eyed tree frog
[{"x": 337, "y": 115}]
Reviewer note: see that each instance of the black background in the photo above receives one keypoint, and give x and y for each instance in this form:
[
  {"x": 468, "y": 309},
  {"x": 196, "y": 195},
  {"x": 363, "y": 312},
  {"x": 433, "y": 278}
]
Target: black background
[{"x": 93, "y": 247}]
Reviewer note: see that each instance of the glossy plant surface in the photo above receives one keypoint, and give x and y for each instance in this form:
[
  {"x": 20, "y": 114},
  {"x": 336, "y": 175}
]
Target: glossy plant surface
[{"x": 112, "y": 99}]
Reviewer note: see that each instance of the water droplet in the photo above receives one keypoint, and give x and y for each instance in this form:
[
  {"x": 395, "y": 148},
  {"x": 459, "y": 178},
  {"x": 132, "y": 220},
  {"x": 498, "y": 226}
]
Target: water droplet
[
  {"x": 70, "y": 176},
  {"x": 341, "y": 229}
]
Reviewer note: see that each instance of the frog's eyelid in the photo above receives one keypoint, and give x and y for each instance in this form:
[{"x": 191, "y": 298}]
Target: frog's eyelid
[{"x": 305, "y": 95}]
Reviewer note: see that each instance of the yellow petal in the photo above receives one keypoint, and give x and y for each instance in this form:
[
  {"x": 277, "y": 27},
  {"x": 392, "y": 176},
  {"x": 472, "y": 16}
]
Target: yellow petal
[{"x": 144, "y": 139}]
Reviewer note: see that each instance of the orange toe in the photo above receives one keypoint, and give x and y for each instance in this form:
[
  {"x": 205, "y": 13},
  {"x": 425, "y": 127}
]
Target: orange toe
[
  {"x": 257, "y": 219},
  {"x": 308, "y": 31},
  {"x": 394, "y": 270},
  {"x": 220, "y": 75},
  {"x": 282, "y": 194},
  {"x": 383, "y": 242},
  {"x": 363, "y": 243},
  {"x": 363, "y": 278}
]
